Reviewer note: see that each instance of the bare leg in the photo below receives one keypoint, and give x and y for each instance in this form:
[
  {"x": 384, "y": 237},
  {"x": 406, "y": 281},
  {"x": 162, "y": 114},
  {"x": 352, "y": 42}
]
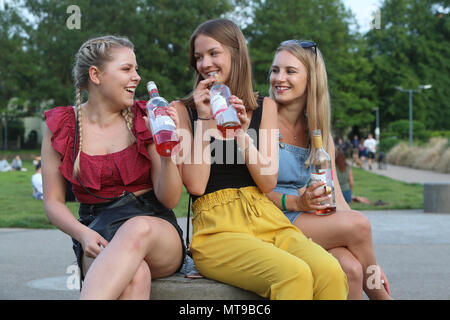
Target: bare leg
[
  {"x": 348, "y": 229},
  {"x": 149, "y": 238},
  {"x": 352, "y": 269},
  {"x": 140, "y": 285}
]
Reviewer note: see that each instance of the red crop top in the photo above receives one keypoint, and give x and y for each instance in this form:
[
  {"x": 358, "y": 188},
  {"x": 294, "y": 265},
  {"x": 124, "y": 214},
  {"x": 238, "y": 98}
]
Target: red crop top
[{"x": 106, "y": 175}]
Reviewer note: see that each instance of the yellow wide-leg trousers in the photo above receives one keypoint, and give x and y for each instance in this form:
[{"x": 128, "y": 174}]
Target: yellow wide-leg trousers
[{"x": 241, "y": 238}]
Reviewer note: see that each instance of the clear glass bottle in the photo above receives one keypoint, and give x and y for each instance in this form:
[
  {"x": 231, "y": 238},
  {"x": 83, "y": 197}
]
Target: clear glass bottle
[
  {"x": 162, "y": 126},
  {"x": 223, "y": 112},
  {"x": 321, "y": 171}
]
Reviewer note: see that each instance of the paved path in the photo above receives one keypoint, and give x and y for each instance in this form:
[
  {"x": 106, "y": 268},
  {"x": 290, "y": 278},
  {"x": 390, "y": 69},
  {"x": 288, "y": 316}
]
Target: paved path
[
  {"x": 411, "y": 246},
  {"x": 411, "y": 175}
]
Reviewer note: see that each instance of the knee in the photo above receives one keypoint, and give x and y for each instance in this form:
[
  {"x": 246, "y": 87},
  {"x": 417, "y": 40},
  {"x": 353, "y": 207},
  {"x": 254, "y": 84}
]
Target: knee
[
  {"x": 361, "y": 228},
  {"x": 353, "y": 271},
  {"x": 299, "y": 273},
  {"x": 140, "y": 231},
  {"x": 294, "y": 281}
]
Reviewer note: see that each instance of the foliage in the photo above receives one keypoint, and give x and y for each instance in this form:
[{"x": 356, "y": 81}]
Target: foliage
[
  {"x": 412, "y": 48},
  {"x": 400, "y": 129},
  {"x": 328, "y": 24}
]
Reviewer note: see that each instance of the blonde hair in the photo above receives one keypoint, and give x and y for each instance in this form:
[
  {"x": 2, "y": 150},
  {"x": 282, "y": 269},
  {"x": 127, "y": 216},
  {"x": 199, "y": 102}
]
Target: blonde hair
[
  {"x": 229, "y": 35},
  {"x": 317, "y": 95},
  {"x": 95, "y": 52}
]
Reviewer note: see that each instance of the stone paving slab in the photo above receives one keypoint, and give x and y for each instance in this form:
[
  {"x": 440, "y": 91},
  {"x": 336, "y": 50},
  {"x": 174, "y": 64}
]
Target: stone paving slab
[{"x": 410, "y": 245}]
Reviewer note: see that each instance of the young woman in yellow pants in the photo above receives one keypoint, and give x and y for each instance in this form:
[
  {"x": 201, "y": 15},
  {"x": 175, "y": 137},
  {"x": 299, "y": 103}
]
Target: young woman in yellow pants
[{"x": 240, "y": 237}]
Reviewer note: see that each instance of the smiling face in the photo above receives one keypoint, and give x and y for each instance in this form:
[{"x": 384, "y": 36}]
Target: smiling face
[
  {"x": 288, "y": 78},
  {"x": 118, "y": 78},
  {"x": 211, "y": 56}
]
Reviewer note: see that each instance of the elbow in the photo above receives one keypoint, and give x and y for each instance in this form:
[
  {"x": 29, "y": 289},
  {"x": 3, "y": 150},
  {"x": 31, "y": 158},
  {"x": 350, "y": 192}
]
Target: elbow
[
  {"x": 268, "y": 185},
  {"x": 195, "y": 189}
]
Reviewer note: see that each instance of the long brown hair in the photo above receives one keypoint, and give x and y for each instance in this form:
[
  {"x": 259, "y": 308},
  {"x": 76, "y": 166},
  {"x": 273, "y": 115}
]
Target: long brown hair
[
  {"x": 229, "y": 35},
  {"x": 95, "y": 52},
  {"x": 341, "y": 161}
]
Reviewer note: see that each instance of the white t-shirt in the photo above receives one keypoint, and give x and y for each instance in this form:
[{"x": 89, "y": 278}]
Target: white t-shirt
[
  {"x": 36, "y": 181},
  {"x": 371, "y": 145}
]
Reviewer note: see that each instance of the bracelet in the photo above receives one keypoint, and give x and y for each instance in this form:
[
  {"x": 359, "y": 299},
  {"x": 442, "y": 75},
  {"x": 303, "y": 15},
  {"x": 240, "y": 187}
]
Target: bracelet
[
  {"x": 283, "y": 201},
  {"x": 203, "y": 118}
]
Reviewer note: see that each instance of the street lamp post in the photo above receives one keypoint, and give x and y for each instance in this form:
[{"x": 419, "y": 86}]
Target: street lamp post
[
  {"x": 410, "y": 91},
  {"x": 377, "y": 128}
]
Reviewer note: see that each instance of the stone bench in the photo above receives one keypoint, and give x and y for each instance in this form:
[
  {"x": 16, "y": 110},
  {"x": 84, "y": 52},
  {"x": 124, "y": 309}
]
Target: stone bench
[
  {"x": 436, "y": 197},
  {"x": 177, "y": 287}
]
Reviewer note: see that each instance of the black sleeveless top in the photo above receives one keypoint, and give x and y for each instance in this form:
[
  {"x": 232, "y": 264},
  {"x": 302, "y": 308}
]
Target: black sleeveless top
[{"x": 228, "y": 168}]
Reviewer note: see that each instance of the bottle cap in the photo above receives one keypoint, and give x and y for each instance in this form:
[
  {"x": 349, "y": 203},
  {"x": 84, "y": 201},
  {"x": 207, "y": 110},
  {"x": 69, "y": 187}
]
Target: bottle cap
[
  {"x": 151, "y": 85},
  {"x": 215, "y": 75}
]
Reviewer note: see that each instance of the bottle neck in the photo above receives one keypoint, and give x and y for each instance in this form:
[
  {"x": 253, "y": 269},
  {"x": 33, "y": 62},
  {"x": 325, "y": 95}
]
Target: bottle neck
[
  {"x": 317, "y": 142},
  {"x": 153, "y": 93}
]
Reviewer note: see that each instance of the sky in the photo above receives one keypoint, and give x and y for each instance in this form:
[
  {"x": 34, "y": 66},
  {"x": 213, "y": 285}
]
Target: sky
[{"x": 364, "y": 11}]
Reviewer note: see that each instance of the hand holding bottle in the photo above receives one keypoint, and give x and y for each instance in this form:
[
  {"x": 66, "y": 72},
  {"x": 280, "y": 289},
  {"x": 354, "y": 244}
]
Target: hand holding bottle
[
  {"x": 311, "y": 197},
  {"x": 202, "y": 99},
  {"x": 241, "y": 112}
]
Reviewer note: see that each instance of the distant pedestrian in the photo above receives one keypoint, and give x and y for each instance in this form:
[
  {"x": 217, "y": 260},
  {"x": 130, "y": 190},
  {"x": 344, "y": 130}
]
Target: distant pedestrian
[
  {"x": 370, "y": 144},
  {"x": 36, "y": 182}
]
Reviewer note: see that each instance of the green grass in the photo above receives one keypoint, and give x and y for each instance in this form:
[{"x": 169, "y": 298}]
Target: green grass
[
  {"x": 18, "y": 209},
  {"x": 396, "y": 194}
]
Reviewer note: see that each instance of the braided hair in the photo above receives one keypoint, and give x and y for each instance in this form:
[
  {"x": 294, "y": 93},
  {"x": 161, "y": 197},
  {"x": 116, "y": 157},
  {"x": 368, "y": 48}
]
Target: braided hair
[{"x": 95, "y": 52}]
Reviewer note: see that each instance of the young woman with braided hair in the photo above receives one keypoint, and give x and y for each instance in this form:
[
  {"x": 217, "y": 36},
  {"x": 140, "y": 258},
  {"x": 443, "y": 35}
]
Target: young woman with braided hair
[{"x": 126, "y": 235}]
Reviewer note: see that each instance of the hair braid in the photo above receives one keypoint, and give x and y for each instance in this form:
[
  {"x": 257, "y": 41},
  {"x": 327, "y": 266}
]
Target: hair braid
[
  {"x": 76, "y": 163},
  {"x": 128, "y": 115}
]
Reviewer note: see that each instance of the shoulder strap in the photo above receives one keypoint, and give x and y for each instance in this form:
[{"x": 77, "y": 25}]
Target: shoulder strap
[{"x": 191, "y": 117}]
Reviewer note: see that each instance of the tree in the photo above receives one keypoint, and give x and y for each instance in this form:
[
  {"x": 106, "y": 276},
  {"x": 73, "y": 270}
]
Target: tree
[
  {"x": 159, "y": 29},
  {"x": 412, "y": 48},
  {"x": 326, "y": 23}
]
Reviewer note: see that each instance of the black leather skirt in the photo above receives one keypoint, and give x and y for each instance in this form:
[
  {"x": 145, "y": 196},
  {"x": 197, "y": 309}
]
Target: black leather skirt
[{"x": 107, "y": 218}]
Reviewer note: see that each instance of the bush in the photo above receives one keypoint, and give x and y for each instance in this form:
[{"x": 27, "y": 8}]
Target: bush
[
  {"x": 387, "y": 141},
  {"x": 401, "y": 129},
  {"x": 435, "y": 155}
]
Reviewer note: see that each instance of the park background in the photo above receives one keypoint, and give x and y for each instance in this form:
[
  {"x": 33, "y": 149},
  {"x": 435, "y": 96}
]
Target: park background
[{"x": 404, "y": 44}]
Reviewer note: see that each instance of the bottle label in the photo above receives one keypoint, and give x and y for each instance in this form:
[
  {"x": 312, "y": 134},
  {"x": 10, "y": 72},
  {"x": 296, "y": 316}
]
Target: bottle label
[
  {"x": 218, "y": 104},
  {"x": 324, "y": 175},
  {"x": 161, "y": 122}
]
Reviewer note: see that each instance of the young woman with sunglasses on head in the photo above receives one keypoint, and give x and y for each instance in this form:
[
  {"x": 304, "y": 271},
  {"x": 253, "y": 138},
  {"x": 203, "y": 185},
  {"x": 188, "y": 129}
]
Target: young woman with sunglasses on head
[
  {"x": 298, "y": 84},
  {"x": 126, "y": 235},
  {"x": 240, "y": 237}
]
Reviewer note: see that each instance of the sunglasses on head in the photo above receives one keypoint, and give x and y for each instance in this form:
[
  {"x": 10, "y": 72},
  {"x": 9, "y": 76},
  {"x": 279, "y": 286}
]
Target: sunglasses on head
[{"x": 303, "y": 44}]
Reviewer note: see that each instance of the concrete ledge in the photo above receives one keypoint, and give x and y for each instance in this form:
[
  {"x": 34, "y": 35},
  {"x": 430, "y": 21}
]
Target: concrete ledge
[
  {"x": 177, "y": 287},
  {"x": 436, "y": 197}
]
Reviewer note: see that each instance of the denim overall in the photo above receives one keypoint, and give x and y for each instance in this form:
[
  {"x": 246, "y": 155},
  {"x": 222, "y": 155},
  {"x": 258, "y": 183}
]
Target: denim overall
[{"x": 292, "y": 173}]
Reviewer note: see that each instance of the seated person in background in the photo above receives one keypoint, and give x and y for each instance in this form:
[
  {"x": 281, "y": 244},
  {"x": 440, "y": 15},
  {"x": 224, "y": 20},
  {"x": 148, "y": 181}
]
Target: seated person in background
[
  {"x": 4, "y": 165},
  {"x": 16, "y": 164},
  {"x": 345, "y": 175},
  {"x": 36, "y": 182}
]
